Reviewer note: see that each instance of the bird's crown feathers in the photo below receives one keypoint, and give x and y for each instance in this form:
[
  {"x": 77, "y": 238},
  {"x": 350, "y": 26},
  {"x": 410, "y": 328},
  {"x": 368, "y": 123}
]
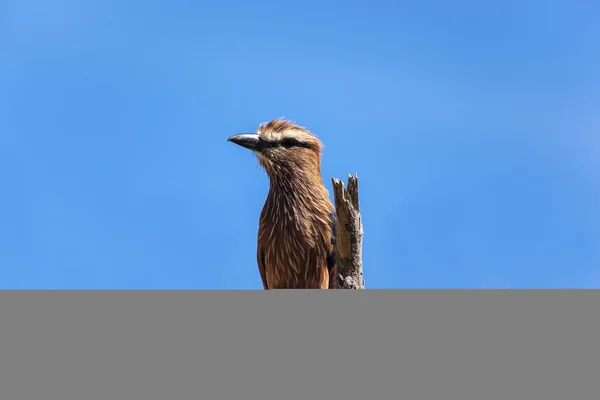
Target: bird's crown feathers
[{"x": 279, "y": 130}]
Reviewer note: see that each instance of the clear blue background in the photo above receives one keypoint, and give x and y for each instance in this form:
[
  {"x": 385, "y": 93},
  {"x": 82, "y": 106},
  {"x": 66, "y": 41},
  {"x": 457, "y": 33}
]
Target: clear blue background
[{"x": 474, "y": 128}]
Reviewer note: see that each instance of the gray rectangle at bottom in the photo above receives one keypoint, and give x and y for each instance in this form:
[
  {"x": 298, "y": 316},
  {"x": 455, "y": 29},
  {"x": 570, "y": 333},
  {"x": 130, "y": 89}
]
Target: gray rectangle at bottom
[{"x": 380, "y": 344}]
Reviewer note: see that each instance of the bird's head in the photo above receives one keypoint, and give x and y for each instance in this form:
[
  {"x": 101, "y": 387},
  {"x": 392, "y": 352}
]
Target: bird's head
[{"x": 282, "y": 145}]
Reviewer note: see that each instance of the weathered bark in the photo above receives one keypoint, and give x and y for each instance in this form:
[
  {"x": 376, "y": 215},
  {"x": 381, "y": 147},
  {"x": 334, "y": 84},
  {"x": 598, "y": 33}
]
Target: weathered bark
[{"x": 349, "y": 234}]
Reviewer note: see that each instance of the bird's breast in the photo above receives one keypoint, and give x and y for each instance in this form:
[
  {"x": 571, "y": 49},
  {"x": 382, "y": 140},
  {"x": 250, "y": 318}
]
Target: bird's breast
[{"x": 295, "y": 253}]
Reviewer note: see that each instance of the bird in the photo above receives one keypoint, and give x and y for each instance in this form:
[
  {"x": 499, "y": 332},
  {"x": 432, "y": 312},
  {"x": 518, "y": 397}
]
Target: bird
[{"x": 297, "y": 227}]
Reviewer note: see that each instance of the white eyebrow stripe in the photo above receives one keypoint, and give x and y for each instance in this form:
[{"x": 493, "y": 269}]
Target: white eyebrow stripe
[{"x": 278, "y": 136}]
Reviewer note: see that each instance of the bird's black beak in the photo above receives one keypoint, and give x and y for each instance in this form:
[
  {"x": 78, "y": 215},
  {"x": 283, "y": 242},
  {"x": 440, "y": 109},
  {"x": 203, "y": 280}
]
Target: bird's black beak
[{"x": 247, "y": 140}]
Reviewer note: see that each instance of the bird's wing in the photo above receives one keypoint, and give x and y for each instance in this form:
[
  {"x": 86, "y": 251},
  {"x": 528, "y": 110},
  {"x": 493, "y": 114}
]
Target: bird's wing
[
  {"x": 331, "y": 256},
  {"x": 260, "y": 258}
]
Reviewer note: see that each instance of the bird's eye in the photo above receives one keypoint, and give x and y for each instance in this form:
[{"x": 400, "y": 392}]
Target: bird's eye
[{"x": 288, "y": 142}]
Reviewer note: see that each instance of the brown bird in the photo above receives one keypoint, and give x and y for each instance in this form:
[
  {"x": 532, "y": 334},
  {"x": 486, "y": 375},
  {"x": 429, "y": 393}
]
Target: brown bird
[{"x": 296, "y": 234}]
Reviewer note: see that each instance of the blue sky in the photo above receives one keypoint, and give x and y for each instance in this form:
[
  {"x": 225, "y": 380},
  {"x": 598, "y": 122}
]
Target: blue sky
[{"x": 473, "y": 126}]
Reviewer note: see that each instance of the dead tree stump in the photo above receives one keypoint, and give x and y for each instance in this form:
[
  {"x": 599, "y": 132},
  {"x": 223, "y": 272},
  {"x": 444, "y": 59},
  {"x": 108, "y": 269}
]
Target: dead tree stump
[{"x": 349, "y": 234}]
